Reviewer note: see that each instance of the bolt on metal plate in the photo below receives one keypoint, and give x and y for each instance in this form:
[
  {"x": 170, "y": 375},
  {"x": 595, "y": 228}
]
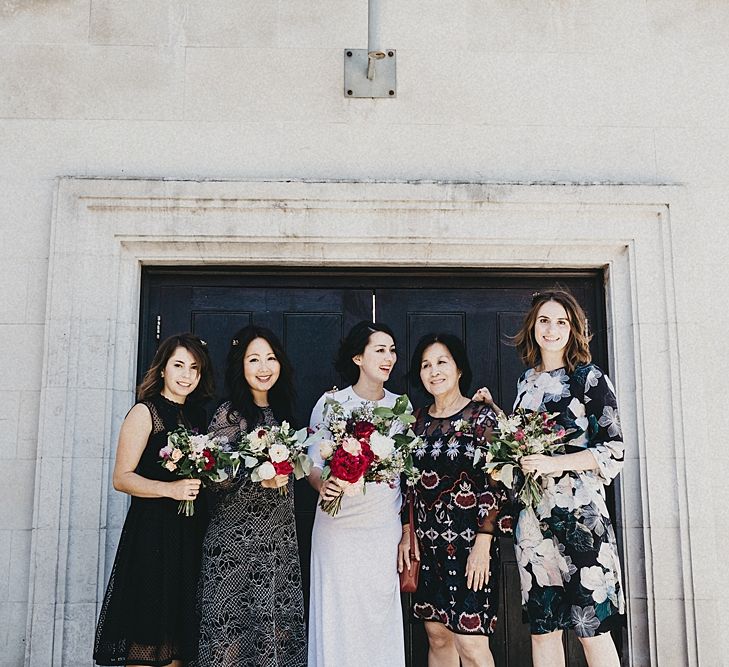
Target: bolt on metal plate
[{"x": 370, "y": 75}]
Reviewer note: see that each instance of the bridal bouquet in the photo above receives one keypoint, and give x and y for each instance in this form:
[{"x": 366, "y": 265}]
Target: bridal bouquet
[
  {"x": 275, "y": 450},
  {"x": 518, "y": 435},
  {"x": 194, "y": 456},
  {"x": 372, "y": 444}
]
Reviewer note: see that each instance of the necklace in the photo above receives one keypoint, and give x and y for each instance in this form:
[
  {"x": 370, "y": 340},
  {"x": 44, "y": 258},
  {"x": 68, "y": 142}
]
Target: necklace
[{"x": 445, "y": 411}]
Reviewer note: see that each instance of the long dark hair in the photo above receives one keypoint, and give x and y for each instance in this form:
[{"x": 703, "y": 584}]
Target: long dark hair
[
  {"x": 280, "y": 396},
  {"x": 152, "y": 383},
  {"x": 577, "y": 350},
  {"x": 354, "y": 344},
  {"x": 455, "y": 346}
]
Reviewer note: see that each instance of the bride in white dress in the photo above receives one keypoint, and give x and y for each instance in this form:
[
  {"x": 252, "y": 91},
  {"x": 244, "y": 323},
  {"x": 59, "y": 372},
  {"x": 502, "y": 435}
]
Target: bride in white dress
[{"x": 355, "y": 614}]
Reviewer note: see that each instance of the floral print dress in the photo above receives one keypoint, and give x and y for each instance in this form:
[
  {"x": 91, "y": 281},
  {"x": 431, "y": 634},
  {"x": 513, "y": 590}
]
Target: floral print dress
[
  {"x": 566, "y": 550},
  {"x": 454, "y": 501}
]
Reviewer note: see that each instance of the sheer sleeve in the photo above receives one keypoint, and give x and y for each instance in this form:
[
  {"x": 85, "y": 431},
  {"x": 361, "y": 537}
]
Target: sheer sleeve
[
  {"x": 492, "y": 498},
  {"x": 605, "y": 436},
  {"x": 228, "y": 428}
]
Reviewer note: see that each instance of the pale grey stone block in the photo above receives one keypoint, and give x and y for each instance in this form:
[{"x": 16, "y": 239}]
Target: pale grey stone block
[
  {"x": 16, "y": 496},
  {"x": 13, "y": 292},
  {"x": 82, "y": 566},
  {"x": 91, "y": 82},
  {"x": 12, "y": 633},
  {"x": 29, "y": 415},
  {"x": 44, "y": 22},
  {"x": 241, "y": 23},
  {"x": 39, "y": 651},
  {"x": 235, "y": 84},
  {"x": 86, "y": 492},
  {"x": 23, "y": 344},
  {"x": 9, "y": 423},
  {"x": 18, "y": 571},
  {"x": 134, "y": 22},
  {"x": 6, "y": 540},
  {"x": 79, "y": 624},
  {"x": 337, "y": 24}
]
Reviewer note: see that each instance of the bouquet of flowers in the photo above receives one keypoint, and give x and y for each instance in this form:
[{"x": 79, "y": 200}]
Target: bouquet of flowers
[
  {"x": 275, "y": 450},
  {"x": 202, "y": 457},
  {"x": 372, "y": 444},
  {"x": 518, "y": 435}
]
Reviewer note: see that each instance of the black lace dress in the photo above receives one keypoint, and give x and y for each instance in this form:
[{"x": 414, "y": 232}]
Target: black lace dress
[
  {"x": 148, "y": 614},
  {"x": 454, "y": 501},
  {"x": 250, "y": 598}
]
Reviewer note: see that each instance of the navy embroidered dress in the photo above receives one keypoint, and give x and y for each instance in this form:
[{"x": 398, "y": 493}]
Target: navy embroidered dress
[
  {"x": 566, "y": 551},
  {"x": 454, "y": 501}
]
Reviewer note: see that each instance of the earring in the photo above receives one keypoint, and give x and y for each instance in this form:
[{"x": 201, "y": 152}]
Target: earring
[{"x": 162, "y": 374}]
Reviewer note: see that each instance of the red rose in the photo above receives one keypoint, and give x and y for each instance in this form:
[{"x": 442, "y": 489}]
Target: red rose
[
  {"x": 367, "y": 451},
  {"x": 209, "y": 459},
  {"x": 283, "y": 468},
  {"x": 519, "y": 435},
  {"x": 363, "y": 430},
  {"x": 347, "y": 467}
]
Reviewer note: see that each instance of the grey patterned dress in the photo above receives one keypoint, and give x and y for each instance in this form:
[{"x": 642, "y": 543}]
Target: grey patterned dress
[{"x": 249, "y": 595}]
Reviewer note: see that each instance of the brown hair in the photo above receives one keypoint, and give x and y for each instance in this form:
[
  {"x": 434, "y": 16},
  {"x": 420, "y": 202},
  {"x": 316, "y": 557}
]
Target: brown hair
[
  {"x": 152, "y": 383},
  {"x": 577, "y": 350}
]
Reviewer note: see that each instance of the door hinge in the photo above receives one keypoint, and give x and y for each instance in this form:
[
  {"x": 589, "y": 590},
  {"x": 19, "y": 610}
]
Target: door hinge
[{"x": 159, "y": 327}]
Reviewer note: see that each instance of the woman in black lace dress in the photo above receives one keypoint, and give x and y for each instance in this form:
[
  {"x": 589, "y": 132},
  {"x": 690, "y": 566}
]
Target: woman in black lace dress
[
  {"x": 456, "y": 511},
  {"x": 148, "y": 613},
  {"x": 251, "y": 603}
]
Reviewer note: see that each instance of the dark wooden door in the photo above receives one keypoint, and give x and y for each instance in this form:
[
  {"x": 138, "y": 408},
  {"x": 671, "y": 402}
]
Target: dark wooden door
[{"x": 311, "y": 310}]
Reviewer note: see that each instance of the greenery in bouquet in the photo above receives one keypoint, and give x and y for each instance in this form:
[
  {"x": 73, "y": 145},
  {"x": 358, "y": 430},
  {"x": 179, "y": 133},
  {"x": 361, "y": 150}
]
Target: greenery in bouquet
[{"x": 518, "y": 435}]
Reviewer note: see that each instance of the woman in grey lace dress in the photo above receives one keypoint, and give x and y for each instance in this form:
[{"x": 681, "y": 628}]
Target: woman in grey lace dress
[{"x": 250, "y": 598}]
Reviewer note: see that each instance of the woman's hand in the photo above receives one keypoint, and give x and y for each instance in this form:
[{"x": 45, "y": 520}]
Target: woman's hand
[
  {"x": 483, "y": 395},
  {"x": 405, "y": 557},
  {"x": 184, "y": 489},
  {"x": 275, "y": 482},
  {"x": 331, "y": 489},
  {"x": 539, "y": 464},
  {"x": 479, "y": 562}
]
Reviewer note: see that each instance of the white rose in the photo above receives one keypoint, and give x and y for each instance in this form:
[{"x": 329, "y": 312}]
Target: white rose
[
  {"x": 326, "y": 449},
  {"x": 352, "y": 446},
  {"x": 381, "y": 445},
  {"x": 266, "y": 470},
  {"x": 278, "y": 453}
]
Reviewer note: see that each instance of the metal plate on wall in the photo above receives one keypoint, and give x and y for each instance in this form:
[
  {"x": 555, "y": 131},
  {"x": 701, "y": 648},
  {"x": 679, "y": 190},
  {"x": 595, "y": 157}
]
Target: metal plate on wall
[{"x": 384, "y": 80}]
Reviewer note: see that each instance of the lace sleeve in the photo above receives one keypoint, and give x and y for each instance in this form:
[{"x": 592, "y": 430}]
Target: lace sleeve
[{"x": 229, "y": 428}]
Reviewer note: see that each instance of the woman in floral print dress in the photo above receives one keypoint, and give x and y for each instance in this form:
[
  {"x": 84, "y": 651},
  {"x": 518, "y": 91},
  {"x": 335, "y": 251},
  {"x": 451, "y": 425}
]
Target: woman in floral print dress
[
  {"x": 456, "y": 510},
  {"x": 566, "y": 551}
]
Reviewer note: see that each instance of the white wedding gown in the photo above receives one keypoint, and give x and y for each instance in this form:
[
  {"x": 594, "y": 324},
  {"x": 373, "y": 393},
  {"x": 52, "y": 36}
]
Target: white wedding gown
[{"x": 355, "y": 614}]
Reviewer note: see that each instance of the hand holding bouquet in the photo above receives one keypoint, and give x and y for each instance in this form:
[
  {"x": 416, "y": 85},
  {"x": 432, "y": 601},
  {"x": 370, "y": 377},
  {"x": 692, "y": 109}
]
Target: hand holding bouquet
[
  {"x": 373, "y": 444},
  {"x": 518, "y": 435},
  {"x": 194, "y": 456},
  {"x": 275, "y": 450}
]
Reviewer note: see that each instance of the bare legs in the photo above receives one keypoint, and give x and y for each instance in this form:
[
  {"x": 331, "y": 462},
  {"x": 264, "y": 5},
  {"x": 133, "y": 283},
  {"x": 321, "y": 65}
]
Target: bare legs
[
  {"x": 445, "y": 648},
  {"x": 600, "y": 651}
]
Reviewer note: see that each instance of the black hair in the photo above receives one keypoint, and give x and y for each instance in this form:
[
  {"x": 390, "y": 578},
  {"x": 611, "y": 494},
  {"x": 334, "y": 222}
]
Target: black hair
[
  {"x": 458, "y": 352},
  {"x": 354, "y": 344},
  {"x": 280, "y": 396}
]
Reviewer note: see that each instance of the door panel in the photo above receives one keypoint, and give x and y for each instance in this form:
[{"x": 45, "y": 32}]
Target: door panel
[{"x": 311, "y": 310}]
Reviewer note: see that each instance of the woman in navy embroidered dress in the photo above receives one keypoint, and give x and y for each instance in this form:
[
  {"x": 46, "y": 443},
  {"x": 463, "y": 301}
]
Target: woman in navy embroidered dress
[
  {"x": 148, "y": 613},
  {"x": 457, "y": 511},
  {"x": 566, "y": 550}
]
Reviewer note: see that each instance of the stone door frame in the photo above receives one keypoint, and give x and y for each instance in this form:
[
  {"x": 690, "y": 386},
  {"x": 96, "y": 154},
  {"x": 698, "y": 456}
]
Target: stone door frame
[{"x": 105, "y": 230}]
